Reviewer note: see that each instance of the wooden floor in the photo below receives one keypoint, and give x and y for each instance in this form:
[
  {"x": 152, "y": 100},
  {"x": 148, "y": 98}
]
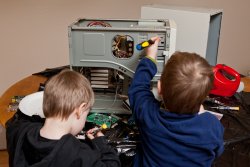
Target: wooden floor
[{"x": 4, "y": 159}]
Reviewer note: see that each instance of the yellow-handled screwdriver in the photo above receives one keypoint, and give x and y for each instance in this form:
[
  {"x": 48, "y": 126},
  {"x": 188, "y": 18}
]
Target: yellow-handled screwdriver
[{"x": 144, "y": 44}]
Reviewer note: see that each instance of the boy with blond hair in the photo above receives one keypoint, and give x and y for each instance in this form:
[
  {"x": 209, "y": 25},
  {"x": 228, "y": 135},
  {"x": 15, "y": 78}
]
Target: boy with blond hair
[
  {"x": 175, "y": 135},
  {"x": 67, "y": 100}
]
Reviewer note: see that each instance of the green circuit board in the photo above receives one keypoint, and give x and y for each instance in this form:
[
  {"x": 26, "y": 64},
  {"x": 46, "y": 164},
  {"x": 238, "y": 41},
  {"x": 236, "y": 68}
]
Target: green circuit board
[{"x": 100, "y": 119}]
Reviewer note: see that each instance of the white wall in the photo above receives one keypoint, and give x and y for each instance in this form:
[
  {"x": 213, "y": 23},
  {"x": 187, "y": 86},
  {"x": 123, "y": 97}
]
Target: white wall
[{"x": 33, "y": 34}]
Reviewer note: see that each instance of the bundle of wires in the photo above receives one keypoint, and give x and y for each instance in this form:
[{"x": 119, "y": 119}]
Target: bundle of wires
[{"x": 98, "y": 24}]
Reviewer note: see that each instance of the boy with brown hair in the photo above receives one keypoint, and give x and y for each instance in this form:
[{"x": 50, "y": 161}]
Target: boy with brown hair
[
  {"x": 67, "y": 100},
  {"x": 175, "y": 135}
]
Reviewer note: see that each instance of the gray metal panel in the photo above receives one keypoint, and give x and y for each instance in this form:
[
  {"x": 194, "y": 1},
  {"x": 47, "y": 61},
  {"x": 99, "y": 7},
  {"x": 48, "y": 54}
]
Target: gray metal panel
[
  {"x": 213, "y": 39},
  {"x": 94, "y": 44},
  {"x": 109, "y": 104}
]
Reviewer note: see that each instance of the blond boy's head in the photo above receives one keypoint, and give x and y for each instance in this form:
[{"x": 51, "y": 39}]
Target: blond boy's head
[{"x": 65, "y": 92}]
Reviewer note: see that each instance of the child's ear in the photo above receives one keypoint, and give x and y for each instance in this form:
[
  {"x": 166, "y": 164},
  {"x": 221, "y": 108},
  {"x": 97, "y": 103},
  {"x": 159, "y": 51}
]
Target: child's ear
[
  {"x": 83, "y": 106},
  {"x": 81, "y": 109},
  {"x": 159, "y": 88}
]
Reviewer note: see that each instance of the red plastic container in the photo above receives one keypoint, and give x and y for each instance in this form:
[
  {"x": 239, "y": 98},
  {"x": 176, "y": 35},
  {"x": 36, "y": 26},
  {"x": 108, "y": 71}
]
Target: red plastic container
[{"x": 226, "y": 81}]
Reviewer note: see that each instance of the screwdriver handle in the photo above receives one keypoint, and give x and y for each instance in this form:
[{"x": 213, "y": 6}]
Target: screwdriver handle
[{"x": 144, "y": 44}]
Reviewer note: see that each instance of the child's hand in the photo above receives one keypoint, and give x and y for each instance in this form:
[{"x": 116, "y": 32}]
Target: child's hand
[
  {"x": 152, "y": 50},
  {"x": 94, "y": 132}
]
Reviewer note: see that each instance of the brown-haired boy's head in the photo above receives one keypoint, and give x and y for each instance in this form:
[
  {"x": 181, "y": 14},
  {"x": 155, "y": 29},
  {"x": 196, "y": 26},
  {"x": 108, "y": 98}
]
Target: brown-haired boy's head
[
  {"x": 65, "y": 92},
  {"x": 185, "y": 82}
]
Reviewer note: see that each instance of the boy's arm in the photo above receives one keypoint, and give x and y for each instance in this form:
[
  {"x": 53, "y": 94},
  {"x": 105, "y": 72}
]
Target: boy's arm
[{"x": 139, "y": 90}]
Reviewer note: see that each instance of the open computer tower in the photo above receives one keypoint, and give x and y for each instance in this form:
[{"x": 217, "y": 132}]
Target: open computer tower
[{"x": 104, "y": 50}]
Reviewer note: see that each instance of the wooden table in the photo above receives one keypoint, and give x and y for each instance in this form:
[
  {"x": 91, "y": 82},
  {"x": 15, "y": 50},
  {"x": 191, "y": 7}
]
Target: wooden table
[{"x": 24, "y": 87}]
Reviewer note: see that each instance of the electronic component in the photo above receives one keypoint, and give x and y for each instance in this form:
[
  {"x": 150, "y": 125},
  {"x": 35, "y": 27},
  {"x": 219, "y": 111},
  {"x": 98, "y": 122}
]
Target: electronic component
[
  {"x": 123, "y": 46},
  {"x": 16, "y": 99},
  {"x": 14, "y": 104},
  {"x": 101, "y": 119},
  {"x": 99, "y": 78}
]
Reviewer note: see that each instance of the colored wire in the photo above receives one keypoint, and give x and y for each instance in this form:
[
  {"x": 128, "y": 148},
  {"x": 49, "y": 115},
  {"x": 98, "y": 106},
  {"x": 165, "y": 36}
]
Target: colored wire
[{"x": 98, "y": 24}]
